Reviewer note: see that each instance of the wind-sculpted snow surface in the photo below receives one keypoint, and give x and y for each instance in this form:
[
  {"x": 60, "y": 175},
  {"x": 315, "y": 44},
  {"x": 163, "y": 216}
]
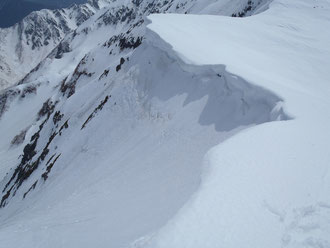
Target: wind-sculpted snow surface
[
  {"x": 268, "y": 186},
  {"x": 249, "y": 110},
  {"x": 129, "y": 153},
  {"x": 105, "y": 140}
]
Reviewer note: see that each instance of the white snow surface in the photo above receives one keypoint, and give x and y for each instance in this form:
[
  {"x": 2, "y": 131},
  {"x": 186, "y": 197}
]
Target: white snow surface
[
  {"x": 268, "y": 186},
  {"x": 215, "y": 134}
]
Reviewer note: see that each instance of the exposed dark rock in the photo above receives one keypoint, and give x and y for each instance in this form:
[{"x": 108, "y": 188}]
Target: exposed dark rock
[
  {"x": 104, "y": 74},
  {"x": 4, "y": 198},
  {"x": 51, "y": 158},
  {"x": 97, "y": 109},
  {"x": 118, "y": 15},
  {"x": 122, "y": 61},
  {"x": 57, "y": 117},
  {"x": 19, "y": 138},
  {"x": 63, "y": 47},
  {"x": 31, "y": 89},
  {"x": 69, "y": 87},
  {"x": 29, "y": 162},
  {"x": 6, "y": 97},
  {"x": 33, "y": 186},
  {"x": 246, "y": 9},
  {"x": 27, "y": 76},
  {"x": 129, "y": 43},
  {"x": 47, "y": 109},
  {"x": 65, "y": 125},
  {"x": 137, "y": 2},
  {"x": 49, "y": 168}
]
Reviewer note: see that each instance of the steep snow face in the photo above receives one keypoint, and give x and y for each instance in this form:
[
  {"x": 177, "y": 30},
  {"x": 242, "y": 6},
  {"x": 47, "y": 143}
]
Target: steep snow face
[
  {"x": 103, "y": 143},
  {"x": 268, "y": 186},
  {"x": 27, "y": 43},
  {"x": 65, "y": 67},
  {"x": 124, "y": 151},
  {"x": 107, "y": 135}
]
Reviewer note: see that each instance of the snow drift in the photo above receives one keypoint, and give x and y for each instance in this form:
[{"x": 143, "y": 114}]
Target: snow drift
[
  {"x": 267, "y": 186},
  {"x": 202, "y": 131},
  {"x": 162, "y": 115}
]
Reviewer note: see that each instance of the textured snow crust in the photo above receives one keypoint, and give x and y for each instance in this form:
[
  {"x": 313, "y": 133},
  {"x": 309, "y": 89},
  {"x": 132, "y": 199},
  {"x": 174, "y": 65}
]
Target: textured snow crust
[{"x": 211, "y": 133}]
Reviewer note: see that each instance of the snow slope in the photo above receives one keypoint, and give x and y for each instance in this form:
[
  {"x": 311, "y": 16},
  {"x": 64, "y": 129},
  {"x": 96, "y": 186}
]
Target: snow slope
[
  {"x": 268, "y": 186},
  {"x": 27, "y": 43},
  {"x": 103, "y": 143},
  {"x": 116, "y": 182}
]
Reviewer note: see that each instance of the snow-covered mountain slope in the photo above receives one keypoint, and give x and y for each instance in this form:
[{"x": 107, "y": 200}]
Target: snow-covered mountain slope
[
  {"x": 85, "y": 55},
  {"x": 103, "y": 142},
  {"x": 270, "y": 185},
  {"x": 24, "y": 45},
  {"x": 119, "y": 28},
  {"x": 123, "y": 153}
]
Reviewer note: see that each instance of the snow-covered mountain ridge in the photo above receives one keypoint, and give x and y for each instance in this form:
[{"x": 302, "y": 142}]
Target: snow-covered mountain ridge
[
  {"x": 274, "y": 193},
  {"x": 118, "y": 120},
  {"x": 68, "y": 68},
  {"x": 27, "y": 43}
]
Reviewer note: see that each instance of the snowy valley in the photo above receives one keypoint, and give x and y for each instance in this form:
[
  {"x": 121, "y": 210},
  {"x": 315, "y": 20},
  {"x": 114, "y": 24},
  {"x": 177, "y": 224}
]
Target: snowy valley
[{"x": 169, "y": 123}]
